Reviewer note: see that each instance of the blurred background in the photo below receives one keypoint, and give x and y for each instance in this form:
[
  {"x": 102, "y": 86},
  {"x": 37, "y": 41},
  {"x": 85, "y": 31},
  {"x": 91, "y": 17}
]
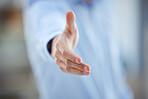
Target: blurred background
[{"x": 16, "y": 79}]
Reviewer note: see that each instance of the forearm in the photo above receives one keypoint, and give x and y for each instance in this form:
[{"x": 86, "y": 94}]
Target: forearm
[{"x": 45, "y": 22}]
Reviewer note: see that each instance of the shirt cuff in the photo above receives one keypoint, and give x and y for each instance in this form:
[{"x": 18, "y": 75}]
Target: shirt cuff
[
  {"x": 49, "y": 46},
  {"x": 46, "y": 40}
]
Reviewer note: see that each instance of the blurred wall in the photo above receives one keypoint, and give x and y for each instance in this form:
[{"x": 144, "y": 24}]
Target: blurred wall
[
  {"x": 133, "y": 19},
  {"x": 144, "y": 46},
  {"x": 16, "y": 80}
]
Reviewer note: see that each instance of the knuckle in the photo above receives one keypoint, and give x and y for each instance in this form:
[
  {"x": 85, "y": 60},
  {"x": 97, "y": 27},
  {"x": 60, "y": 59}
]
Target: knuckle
[
  {"x": 65, "y": 61},
  {"x": 61, "y": 69},
  {"x": 57, "y": 62},
  {"x": 64, "y": 52},
  {"x": 56, "y": 54},
  {"x": 67, "y": 69},
  {"x": 80, "y": 66},
  {"x": 80, "y": 72},
  {"x": 68, "y": 63}
]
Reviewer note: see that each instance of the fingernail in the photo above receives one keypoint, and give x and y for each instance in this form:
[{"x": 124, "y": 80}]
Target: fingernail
[
  {"x": 85, "y": 73},
  {"x": 76, "y": 60},
  {"x": 86, "y": 68}
]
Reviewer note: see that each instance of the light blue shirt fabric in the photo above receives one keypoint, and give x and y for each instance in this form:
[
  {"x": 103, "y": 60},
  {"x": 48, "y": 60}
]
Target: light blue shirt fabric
[{"x": 98, "y": 46}]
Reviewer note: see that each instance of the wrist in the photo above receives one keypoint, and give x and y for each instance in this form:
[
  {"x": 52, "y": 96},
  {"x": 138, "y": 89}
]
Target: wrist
[{"x": 53, "y": 46}]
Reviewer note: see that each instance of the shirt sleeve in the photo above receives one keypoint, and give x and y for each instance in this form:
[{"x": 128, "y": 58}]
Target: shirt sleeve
[
  {"x": 49, "y": 45},
  {"x": 46, "y": 20}
]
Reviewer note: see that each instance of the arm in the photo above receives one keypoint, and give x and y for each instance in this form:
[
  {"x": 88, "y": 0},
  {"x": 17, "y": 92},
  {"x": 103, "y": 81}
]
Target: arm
[{"x": 48, "y": 21}]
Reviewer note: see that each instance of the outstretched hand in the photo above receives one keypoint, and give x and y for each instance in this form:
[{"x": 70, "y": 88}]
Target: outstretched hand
[{"x": 62, "y": 49}]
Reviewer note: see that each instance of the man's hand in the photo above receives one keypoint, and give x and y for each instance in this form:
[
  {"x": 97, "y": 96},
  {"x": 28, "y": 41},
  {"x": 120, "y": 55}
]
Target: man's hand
[{"x": 62, "y": 49}]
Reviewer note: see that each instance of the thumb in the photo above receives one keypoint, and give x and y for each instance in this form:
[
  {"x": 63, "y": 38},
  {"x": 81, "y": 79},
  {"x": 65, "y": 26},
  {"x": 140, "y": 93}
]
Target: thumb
[{"x": 70, "y": 20}]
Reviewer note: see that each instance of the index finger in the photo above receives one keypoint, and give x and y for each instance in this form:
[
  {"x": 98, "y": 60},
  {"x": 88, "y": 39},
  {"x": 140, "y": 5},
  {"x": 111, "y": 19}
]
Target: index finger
[{"x": 69, "y": 54}]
